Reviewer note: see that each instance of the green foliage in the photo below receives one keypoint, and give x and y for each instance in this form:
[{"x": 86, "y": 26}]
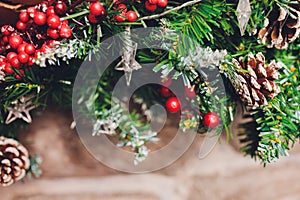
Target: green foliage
[
  {"x": 280, "y": 123},
  {"x": 210, "y": 23}
]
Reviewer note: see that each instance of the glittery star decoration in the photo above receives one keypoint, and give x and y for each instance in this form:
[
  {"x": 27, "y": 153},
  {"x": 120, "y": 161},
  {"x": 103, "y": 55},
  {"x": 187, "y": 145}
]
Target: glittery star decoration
[
  {"x": 20, "y": 110},
  {"x": 128, "y": 63},
  {"x": 244, "y": 12}
]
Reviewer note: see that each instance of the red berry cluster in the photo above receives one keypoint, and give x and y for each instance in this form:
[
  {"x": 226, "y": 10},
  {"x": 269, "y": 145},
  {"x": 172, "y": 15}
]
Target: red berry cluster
[
  {"x": 36, "y": 29},
  {"x": 97, "y": 11},
  {"x": 151, "y": 5},
  {"x": 46, "y": 16},
  {"x": 125, "y": 15},
  {"x": 164, "y": 90},
  {"x": 20, "y": 52}
]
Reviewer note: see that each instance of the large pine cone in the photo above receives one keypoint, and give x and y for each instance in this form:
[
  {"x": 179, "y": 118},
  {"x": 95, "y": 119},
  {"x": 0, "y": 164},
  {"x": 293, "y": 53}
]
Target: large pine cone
[
  {"x": 254, "y": 81},
  {"x": 281, "y": 27},
  {"x": 14, "y": 161}
]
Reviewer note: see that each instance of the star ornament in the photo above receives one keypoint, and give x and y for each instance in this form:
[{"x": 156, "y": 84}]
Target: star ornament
[
  {"x": 20, "y": 110},
  {"x": 128, "y": 63},
  {"x": 244, "y": 12}
]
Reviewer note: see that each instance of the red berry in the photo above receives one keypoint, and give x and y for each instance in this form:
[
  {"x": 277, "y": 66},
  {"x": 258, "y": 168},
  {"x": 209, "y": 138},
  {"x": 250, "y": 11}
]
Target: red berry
[
  {"x": 24, "y": 17},
  {"x": 162, "y": 3},
  {"x": 10, "y": 55},
  {"x": 21, "y": 47},
  {"x": 190, "y": 92},
  {"x": 187, "y": 113},
  {"x": 50, "y": 43},
  {"x": 53, "y": 33},
  {"x": 23, "y": 57},
  {"x": 40, "y": 36},
  {"x": 21, "y": 26},
  {"x": 166, "y": 81},
  {"x": 96, "y": 8},
  {"x": 7, "y": 30},
  {"x": 30, "y": 61},
  {"x": 150, "y": 7},
  {"x": 50, "y": 11},
  {"x": 37, "y": 53},
  {"x": 40, "y": 18},
  {"x": 122, "y": 8},
  {"x": 211, "y": 120},
  {"x": 18, "y": 77},
  {"x": 43, "y": 48},
  {"x": 66, "y": 22},
  {"x": 29, "y": 49},
  {"x": 65, "y": 31},
  {"x": 15, "y": 62},
  {"x": 5, "y": 40},
  {"x": 164, "y": 91},
  {"x": 44, "y": 6},
  {"x": 31, "y": 11},
  {"x": 92, "y": 18},
  {"x": 131, "y": 16},
  {"x": 120, "y": 18},
  {"x": 60, "y": 8},
  {"x": 173, "y": 104},
  {"x": 8, "y": 69},
  {"x": 15, "y": 41},
  {"x": 2, "y": 60},
  {"x": 153, "y": 1},
  {"x": 53, "y": 21}
]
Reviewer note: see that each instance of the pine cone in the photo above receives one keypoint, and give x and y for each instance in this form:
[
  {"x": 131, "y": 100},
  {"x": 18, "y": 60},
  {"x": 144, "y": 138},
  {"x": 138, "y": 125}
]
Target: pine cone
[
  {"x": 14, "y": 161},
  {"x": 281, "y": 27},
  {"x": 254, "y": 81}
]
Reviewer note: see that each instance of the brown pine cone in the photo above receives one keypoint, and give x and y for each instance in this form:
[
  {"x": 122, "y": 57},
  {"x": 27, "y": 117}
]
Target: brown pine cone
[
  {"x": 281, "y": 27},
  {"x": 14, "y": 161},
  {"x": 254, "y": 80}
]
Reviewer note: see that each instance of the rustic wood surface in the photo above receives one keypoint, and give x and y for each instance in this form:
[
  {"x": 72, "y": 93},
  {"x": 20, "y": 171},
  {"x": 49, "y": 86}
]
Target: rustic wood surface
[{"x": 71, "y": 173}]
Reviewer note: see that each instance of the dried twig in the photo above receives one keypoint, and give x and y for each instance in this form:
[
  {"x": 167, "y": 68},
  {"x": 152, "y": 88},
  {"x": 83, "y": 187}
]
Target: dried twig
[
  {"x": 11, "y": 7},
  {"x": 189, "y": 3}
]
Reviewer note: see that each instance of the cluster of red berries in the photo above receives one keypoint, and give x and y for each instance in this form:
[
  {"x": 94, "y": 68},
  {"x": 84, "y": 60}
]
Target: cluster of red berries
[
  {"x": 46, "y": 16},
  {"x": 22, "y": 55},
  {"x": 125, "y": 14},
  {"x": 173, "y": 105},
  {"x": 165, "y": 91},
  {"x": 151, "y": 5},
  {"x": 37, "y": 28},
  {"x": 97, "y": 11}
]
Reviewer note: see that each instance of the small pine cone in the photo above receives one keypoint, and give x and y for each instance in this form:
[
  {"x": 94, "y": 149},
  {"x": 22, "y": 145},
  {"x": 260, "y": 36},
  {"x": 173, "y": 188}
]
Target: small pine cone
[
  {"x": 14, "y": 161},
  {"x": 281, "y": 27},
  {"x": 254, "y": 80}
]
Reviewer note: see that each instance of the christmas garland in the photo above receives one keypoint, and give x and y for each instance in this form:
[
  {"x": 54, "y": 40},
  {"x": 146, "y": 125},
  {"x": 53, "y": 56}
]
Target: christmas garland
[{"x": 253, "y": 51}]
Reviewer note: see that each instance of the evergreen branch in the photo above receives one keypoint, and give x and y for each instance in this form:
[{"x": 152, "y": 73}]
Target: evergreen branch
[{"x": 189, "y": 3}]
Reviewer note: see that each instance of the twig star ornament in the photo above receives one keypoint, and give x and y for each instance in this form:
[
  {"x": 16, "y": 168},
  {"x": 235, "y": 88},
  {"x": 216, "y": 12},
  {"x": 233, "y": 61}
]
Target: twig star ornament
[
  {"x": 128, "y": 63},
  {"x": 20, "y": 110},
  {"x": 244, "y": 12}
]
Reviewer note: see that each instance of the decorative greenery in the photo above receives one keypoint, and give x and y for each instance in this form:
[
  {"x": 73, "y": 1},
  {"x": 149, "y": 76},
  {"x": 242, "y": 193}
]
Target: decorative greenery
[{"x": 201, "y": 57}]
